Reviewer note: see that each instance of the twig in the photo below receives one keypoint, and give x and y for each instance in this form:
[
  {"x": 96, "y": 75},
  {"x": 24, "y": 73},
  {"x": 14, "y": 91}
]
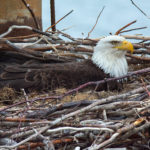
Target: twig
[
  {"x": 39, "y": 144},
  {"x": 15, "y": 119},
  {"x": 27, "y": 139},
  {"x": 133, "y": 29},
  {"x": 144, "y": 85},
  {"x": 60, "y": 20},
  {"x": 49, "y": 131},
  {"x": 96, "y": 22},
  {"x": 140, "y": 9},
  {"x": 139, "y": 58},
  {"x": 26, "y": 98},
  {"x": 33, "y": 54},
  {"x": 32, "y": 14},
  {"x": 118, "y": 32},
  {"x": 142, "y": 52},
  {"x": 11, "y": 28},
  {"x": 53, "y": 47},
  {"x": 136, "y": 130},
  {"x": 74, "y": 55},
  {"x": 64, "y": 48},
  {"x": 66, "y": 35},
  {"x": 107, "y": 142},
  {"x": 32, "y": 44},
  {"x": 137, "y": 37}
]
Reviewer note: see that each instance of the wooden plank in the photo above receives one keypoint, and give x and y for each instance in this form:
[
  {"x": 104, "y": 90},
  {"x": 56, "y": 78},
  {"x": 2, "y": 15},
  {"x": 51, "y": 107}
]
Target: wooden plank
[{"x": 14, "y": 12}]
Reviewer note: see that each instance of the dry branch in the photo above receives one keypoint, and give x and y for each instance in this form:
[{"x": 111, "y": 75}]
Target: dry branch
[
  {"x": 32, "y": 14},
  {"x": 96, "y": 22},
  {"x": 120, "y": 30},
  {"x": 139, "y": 9}
]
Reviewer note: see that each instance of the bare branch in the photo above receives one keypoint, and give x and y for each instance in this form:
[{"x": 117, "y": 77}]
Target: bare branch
[
  {"x": 96, "y": 22},
  {"x": 133, "y": 29},
  {"x": 118, "y": 32},
  {"x": 59, "y": 20},
  {"x": 32, "y": 14},
  {"x": 140, "y": 9}
]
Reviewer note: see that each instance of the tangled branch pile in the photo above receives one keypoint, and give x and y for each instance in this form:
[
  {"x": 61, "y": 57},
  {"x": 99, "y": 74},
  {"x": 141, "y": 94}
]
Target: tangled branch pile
[{"x": 75, "y": 119}]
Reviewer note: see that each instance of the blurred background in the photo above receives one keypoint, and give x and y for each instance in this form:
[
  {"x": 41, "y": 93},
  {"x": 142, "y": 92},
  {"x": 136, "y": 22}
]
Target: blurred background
[{"x": 116, "y": 14}]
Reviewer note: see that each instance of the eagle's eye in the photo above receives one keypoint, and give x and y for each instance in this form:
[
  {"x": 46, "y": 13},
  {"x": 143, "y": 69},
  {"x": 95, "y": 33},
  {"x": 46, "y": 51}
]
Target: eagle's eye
[{"x": 115, "y": 42}]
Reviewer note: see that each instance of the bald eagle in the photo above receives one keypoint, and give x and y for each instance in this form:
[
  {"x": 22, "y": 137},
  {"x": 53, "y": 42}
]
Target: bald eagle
[{"x": 108, "y": 60}]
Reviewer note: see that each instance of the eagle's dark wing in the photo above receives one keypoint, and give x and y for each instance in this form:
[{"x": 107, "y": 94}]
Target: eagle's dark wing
[{"x": 49, "y": 76}]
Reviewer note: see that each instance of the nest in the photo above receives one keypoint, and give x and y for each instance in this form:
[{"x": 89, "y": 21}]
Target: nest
[{"x": 77, "y": 118}]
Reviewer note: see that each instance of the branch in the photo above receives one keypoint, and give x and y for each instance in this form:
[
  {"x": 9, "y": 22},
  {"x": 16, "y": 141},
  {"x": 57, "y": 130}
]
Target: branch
[
  {"x": 107, "y": 142},
  {"x": 11, "y": 28},
  {"x": 96, "y": 22},
  {"x": 39, "y": 144},
  {"x": 139, "y": 58},
  {"x": 137, "y": 37},
  {"x": 133, "y": 29},
  {"x": 49, "y": 131},
  {"x": 118, "y": 32},
  {"x": 140, "y": 9},
  {"x": 59, "y": 20},
  {"x": 32, "y": 14}
]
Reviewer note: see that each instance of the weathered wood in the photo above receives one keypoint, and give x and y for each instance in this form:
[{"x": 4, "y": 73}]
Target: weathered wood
[{"x": 14, "y": 12}]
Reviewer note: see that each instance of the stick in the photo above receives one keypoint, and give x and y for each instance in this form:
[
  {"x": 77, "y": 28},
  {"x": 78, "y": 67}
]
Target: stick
[
  {"x": 140, "y": 9},
  {"x": 60, "y": 20},
  {"x": 139, "y": 58},
  {"x": 137, "y": 37},
  {"x": 11, "y": 28},
  {"x": 118, "y": 32},
  {"x": 32, "y": 14},
  {"x": 96, "y": 22},
  {"x": 133, "y": 29}
]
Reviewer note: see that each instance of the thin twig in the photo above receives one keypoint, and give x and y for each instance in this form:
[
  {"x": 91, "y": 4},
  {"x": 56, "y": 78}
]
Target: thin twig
[
  {"x": 59, "y": 20},
  {"x": 11, "y": 28},
  {"x": 139, "y": 58},
  {"x": 32, "y": 14},
  {"x": 140, "y": 9},
  {"x": 49, "y": 131},
  {"x": 133, "y": 29},
  {"x": 144, "y": 85},
  {"x": 118, "y": 32},
  {"x": 137, "y": 37},
  {"x": 96, "y": 22}
]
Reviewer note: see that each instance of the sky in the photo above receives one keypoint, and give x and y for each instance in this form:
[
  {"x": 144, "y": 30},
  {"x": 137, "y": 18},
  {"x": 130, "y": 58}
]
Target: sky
[{"x": 116, "y": 14}]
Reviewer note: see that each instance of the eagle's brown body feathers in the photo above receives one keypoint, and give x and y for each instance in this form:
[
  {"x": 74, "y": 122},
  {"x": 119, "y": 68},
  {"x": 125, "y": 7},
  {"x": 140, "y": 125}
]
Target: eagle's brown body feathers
[{"x": 41, "y": 76}]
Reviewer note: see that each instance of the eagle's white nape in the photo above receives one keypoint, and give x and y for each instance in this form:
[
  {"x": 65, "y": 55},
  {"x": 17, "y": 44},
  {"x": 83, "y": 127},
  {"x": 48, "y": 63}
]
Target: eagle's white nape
[{"x": 110, "y": 59}]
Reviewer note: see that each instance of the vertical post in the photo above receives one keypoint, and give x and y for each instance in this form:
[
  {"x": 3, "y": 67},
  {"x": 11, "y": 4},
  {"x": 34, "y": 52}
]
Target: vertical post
[{"x": 53, "y": 14}]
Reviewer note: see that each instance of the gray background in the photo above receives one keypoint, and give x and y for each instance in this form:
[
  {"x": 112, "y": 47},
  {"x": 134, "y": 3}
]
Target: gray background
[{"x": 116, "y": 14}]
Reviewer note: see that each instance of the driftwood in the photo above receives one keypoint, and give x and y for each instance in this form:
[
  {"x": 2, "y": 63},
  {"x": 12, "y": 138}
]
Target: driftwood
[{"x": 78, "y": 118}]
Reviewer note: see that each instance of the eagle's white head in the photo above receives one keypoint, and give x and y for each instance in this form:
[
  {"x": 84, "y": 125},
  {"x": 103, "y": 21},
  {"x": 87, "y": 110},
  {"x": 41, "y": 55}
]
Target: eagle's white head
[{"x": 109, "y": 55}]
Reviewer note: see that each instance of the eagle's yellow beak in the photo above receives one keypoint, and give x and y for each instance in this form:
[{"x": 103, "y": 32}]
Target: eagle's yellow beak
[{"x": 125, "y": 45}]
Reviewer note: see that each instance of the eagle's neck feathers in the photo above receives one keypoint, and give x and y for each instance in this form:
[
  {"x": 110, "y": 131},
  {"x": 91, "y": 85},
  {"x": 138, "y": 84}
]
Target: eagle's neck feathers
[{"x": 112, "y": 62}]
